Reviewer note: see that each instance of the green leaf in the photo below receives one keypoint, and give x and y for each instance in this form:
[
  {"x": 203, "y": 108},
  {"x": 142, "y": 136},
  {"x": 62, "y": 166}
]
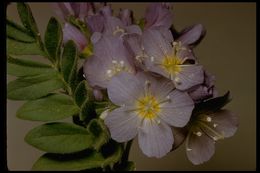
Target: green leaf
[
  {"x": 27, "y": 19},
  {"x": 33, "y": 87},
  {"x": 87, "y": 159},
  {"x": 98, "y": 129},
  {"x": 59, "y": 138},
  {"x": 22, "y": 48},
  {"x": 69, "y": 62},
  {"x": 80, "y": 93},
  {"x": 212, "y": 105},
  {"x": 53, "y": 39},
  {"x": 24, "y": 67},
  {"x": 17, "y": 32},
  {"x": 50, "y": 108},
  {"x": 87, "y": 111},
  {"x": 85, "y": 99}
]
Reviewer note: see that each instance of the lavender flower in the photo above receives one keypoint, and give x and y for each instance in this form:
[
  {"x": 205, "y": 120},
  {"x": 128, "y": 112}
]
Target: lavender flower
[
  {"x": 205, "y": 130},
  {"x": 110, "y": 58},
  {"x": 205, "y": 90},
  {"x": 148, "y": 106},
  {"x": 208, "y": 124},
  {"x": 78, "y": 10},
  {"x": 158, "y": 15},
  {"x": 70, "y": 32},
  {"x": 170, "y": 60}
]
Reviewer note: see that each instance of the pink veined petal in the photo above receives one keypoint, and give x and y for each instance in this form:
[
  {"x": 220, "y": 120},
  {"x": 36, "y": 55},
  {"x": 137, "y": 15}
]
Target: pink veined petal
[
  {"x": 111, "y": 48},
  {"x": 191, "y": 34},
  {"x": 94, "y": 71},
  {"x": 133, "y": 29},
  {"x": 189, "y": 76},
  {"x": 106, "y": 11},
  {"x": 84, "y": 9},
  {"x": 226, "y": 122},
  {"x": 122, "y": 124},
  {"x": 158, "y": 14},
  {"x": 155, "y": 139},
  {"x": 111, "y": 25},
  {"x": 156, "y": 45},
  {"x": 167, "y": 34},
  {"x": 126, "y": 16},
  {"x": 125, "y": 88},
  {"x": 133, "y": 42},
  {"x": 199, "y": 149},
  {"x": 161, "y": 87},
  {"x": 95, "y": 23},
  {"x": 76, "y": 8},
  {"x": 72, "y": 33},
  {"x": 63, "y": 10},
  {"x": 177, "y": 111}
]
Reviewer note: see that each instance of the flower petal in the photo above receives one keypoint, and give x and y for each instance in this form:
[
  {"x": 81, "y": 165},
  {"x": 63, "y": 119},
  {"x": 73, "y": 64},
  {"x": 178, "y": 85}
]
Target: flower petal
[
  {"x": 158, "y": 14},
  {"x": 123, "y": 125},
  {"x": 177, "y": 111},
  {"x": 161, "y": 87},
  {"x": 93, "y": 74},
  {"x": 226, "y": 121},
  {"x": 191, "y": 34},
  {"x": 199, "y": 149},
  {"x": 111, "y": 48},
  {"x": 126, "y": 16},
  {"x": 179, "y": 135},
  {"x": 72, "y": 33},
  {"x": 125, "y": 88},
  {"x": 155, "y": 140},
  {"x": 112, "y": 24},
  {"x": 106, "y": 11},
  {"x": 133, "y": 29},
  {"x": 190, "y": 75},
  {"x": 63, "y": 10},
  {"x": 95, "y": 23},
  {"x": 156, "y": 45},
  {"x": 96, "y": 36}
]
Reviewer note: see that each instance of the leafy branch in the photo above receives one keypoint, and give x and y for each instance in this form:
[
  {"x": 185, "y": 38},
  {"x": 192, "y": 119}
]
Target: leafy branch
[{"x": 55, "y": 91}]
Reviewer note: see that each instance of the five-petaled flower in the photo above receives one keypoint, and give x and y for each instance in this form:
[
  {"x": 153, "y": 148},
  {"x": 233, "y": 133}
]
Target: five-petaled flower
[{"x": 148, "y": 106}]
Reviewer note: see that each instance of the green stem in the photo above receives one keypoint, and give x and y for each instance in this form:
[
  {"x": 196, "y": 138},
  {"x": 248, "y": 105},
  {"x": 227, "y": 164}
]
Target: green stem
[{"x": 126, "y": 152}]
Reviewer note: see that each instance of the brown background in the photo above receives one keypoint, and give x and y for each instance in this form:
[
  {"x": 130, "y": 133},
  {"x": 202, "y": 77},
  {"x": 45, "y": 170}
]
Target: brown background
[{"x": 228, "y": 51}]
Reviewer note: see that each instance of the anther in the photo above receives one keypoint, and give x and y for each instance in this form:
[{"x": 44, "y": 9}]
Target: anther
[
  {"x": 209, "y": 119},
  {"x": 84, "y": 76},
  {"x": 114, "y": 61},
  {"x": 214, "y": 125},
  {"x": 188, "y": 149},
  {"x": 152, "y": 58},
  {"x": 122, "y": 63},
  {"x": 215, "y": 138},
  {"x": 198, "y": 133}
]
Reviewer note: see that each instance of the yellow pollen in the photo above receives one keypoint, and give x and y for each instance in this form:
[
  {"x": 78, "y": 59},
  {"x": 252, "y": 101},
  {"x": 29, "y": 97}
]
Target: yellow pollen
[
  {"x": 148, "y": 107},
  {"x": 171, "y": 64}
]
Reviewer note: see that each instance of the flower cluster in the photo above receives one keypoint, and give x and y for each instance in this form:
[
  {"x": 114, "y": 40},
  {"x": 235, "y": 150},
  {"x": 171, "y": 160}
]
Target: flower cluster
[{"x": 152, "y": 77}]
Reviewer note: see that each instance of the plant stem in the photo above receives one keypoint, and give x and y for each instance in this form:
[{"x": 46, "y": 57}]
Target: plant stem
[{"x": 127, "y": 151}]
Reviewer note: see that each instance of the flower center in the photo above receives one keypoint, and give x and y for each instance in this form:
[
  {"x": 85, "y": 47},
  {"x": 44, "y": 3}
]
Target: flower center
[
  {"x": 148, "y": 107},
  {"x": 171, "y": 64}
]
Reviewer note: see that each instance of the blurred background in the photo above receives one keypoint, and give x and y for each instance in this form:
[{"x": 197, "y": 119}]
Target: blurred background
[{"x": 228, "y": 51}]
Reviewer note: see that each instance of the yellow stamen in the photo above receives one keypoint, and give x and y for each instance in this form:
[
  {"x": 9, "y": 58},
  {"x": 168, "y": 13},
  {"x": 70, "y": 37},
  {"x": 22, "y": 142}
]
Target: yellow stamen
[
  {"x": 148, "y": 107},
  {"x": 171, "y": 64}
]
